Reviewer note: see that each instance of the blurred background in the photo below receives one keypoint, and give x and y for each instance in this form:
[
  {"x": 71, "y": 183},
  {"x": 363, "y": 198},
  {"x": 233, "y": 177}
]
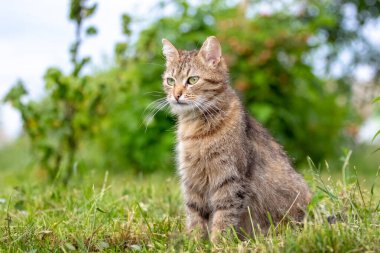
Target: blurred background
[{"x": 79, "y": 80}]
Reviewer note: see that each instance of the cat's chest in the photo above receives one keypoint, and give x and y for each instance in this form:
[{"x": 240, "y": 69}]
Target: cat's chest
[
  {"x": 194, "y": 170},
  {"x": 194, "y": 159},
  {"x": 202, "y": 153},
  {"x": 192, "y": 154}
]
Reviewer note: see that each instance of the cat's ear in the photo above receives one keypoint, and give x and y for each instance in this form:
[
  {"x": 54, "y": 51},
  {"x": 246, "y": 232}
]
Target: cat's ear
[
  {"x": 169, "y": 51},
  {"x": 211, "y": 51}
]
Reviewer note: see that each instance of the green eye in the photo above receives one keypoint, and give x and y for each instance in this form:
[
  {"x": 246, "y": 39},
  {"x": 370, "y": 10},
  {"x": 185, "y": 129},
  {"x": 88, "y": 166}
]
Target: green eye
[
  {"x": 193, "y": 79},
  {"x": 170, "y": 81}
]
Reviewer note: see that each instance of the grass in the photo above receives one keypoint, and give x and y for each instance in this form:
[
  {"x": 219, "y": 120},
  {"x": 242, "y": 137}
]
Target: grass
[{"x": 117, "y": 212}]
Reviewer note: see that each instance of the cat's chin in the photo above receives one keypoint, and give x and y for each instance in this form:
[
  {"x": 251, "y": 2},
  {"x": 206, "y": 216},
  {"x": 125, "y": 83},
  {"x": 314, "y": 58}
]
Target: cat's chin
[{"x": 181, "y": 108}]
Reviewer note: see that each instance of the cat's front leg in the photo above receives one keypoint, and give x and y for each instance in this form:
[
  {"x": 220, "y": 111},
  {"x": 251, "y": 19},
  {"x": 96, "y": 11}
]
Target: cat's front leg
[
  {"x": 197, "y": 213},
  {"x": 227, "y": 203}
]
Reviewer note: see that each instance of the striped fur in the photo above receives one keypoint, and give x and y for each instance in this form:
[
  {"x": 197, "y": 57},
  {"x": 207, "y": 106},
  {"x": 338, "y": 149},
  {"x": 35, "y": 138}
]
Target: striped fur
[{"x": 228, "y": 163}]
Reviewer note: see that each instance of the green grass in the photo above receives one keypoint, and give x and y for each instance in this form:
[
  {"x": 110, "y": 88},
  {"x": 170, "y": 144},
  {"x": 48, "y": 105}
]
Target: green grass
[{"x": 109, "y": 212}]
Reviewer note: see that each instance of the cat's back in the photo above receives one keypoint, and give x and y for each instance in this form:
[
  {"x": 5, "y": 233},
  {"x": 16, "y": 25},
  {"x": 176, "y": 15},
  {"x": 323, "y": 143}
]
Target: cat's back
[{"x": 274, "y": 183}]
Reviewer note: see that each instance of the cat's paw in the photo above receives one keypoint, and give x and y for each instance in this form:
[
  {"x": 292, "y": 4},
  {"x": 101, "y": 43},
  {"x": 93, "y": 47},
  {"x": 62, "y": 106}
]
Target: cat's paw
[
  {"x": 197, "y": 232},
  {"x": 216, "y": 237}
]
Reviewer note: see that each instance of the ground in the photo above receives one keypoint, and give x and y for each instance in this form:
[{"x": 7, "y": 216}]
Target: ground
[{"x": 104, "y": 211}]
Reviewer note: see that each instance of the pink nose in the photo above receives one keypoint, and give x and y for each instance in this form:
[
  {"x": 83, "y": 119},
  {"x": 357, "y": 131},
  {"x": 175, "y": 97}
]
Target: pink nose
[{"x": 178, "y": 95}]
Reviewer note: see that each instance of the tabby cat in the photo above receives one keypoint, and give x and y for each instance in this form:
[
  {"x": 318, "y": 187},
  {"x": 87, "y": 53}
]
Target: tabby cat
[{"x": 233, "y": 173}]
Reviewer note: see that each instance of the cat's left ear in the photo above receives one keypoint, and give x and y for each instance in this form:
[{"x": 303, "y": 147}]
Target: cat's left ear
[
  {"x": 169, "y": 51},
  {"x": 211, "y": 51}
]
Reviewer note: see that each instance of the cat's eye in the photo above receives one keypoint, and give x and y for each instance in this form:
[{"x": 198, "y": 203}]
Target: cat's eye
[
  {"x": 193, "y": 79},
  {"x": 170, "y": 81}
]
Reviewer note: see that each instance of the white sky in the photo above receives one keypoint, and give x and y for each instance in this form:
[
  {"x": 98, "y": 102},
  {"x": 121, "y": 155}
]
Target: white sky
[{"x": 36, "y": 34}]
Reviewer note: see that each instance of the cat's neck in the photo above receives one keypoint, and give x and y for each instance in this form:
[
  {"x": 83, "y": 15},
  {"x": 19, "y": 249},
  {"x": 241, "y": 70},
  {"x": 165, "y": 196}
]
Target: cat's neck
[{"x": 210, "y": 118}]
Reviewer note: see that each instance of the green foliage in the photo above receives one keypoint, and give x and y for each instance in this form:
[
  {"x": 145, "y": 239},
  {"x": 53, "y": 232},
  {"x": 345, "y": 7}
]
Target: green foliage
[
  {"x": 269, "y": 68},
  {"x": 345, "y": 34},
  {"x": 270, "y": 61},
  {"x": 279, "y": 87},
  {"x": 69, "y": 112}
]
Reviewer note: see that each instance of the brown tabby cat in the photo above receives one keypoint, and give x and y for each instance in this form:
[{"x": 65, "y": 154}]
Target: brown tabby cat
[{"x": 232, "y": 171}]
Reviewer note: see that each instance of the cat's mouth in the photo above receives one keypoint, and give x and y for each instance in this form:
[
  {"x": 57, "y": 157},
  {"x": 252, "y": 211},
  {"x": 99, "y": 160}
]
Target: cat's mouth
[{"x": 179, "y": 107}]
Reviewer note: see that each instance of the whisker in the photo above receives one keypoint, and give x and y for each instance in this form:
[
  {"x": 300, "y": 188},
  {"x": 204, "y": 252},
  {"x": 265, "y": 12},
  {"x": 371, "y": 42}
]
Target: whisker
[
  {"x": 203, "y": 109},
  {"x": 157, "y": 107},
  {"x": 153, "y": 92},
  {"x": 213, "y": 106},
  {"x": 153, "y": 103},
  {"x": 154, "y": 63},
  {"x": 152, "y": 109},
  {"x": 211, "y": 109},
  {"x": 199, "y": 106},
  {"x": 151, "y": 116}
]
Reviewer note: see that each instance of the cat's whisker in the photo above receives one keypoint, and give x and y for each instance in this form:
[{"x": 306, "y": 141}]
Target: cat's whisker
[
  {"x": 153, "y": 92},
  {"x": 210, "y": 120},
  {"x": 155, "y": 95},
  {"x": 158, "y": 107},
  {"x": 154, "y": 63},
  {"x": 152, "y": 108},
  {"x": 207, "y": 108},
  {"x": 199, "y": 106},
  {"x": 153, "y": 103},
  {"x": 210, "y": 110},
  {"x": 151, "y": 116},
  {"x": 209, "y": 116},
  {"x": 213, "y": 107},
  {"x": 193, "y": 109}
]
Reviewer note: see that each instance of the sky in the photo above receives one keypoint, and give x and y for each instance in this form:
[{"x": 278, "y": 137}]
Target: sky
[{"x": 36, "y": 34}]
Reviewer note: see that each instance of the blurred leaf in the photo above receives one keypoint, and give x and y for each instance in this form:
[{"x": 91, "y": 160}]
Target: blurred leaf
[
  {"x": 20, "y": 205},
  {"x": 262, "y": 111},
  {"x": 120, "y": 49},
  {"x": 91, "y": 30},
  {"x": 126, "y": 21},
  {"x": 89, "y": 11},
  {"x": 15, "y": 94},
  {"x": 376, "y": 100},
  {"x": 75, "y": 9}
]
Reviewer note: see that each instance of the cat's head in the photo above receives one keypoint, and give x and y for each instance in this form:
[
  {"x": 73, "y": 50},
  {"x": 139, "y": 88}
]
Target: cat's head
[{"x": 194, "y": 80}]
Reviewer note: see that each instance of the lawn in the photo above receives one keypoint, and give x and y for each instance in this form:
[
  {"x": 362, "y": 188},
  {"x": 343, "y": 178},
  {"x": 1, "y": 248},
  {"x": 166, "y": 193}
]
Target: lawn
[{"x": 118, "y": 212}]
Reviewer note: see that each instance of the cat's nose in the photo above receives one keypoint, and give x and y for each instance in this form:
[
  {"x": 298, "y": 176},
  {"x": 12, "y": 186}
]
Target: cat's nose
[{"x": 177, "y": 95}]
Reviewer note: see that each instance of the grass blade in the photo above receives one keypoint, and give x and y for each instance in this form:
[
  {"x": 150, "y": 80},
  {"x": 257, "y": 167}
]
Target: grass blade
[
  {"x": 375, "y": 100},
  {"x": 374, "y": 137}
]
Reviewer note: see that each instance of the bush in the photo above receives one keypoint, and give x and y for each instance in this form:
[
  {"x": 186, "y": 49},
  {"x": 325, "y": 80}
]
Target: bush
[
  {"x": 268, "y": 68},
  {"x": 270, "y": 64}
]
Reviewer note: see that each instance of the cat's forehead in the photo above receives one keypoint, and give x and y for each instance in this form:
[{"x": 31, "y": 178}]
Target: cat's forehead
[
  {"x": 185, "y": 55},
  {"x": 187, "y": 61}
]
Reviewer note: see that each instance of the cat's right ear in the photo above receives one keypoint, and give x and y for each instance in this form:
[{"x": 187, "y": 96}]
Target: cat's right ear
[
  {"x": 211, "y": 51},
  {"x": 169, "y": 51}
]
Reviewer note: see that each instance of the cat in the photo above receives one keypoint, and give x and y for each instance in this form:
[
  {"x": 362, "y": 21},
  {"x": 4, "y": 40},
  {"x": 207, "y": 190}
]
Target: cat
[{"x": 233, "y": 173}]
